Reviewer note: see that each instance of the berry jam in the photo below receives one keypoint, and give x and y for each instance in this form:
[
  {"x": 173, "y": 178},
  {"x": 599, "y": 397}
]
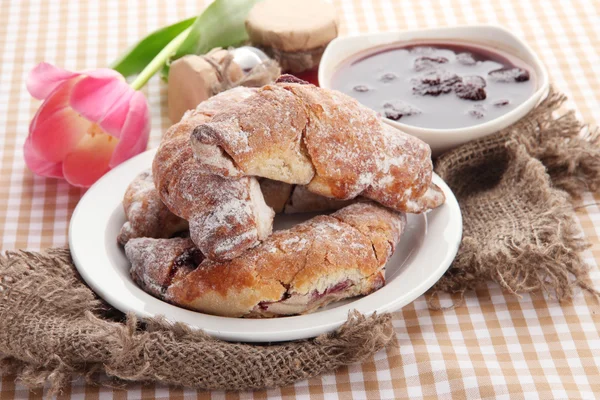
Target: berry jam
[{"x": 437, "y": 85}]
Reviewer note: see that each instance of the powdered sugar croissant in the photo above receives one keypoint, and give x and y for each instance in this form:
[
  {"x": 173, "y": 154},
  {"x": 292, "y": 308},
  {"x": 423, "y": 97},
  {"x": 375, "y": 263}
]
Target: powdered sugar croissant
[
  {"x": 295, "y": 271},
  {"x": 226, "y": 216},
  {"x": 301, "y": 134}
]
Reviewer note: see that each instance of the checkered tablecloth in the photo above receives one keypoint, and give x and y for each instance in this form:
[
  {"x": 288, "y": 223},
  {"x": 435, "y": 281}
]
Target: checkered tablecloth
[{"x": 495, "y": 346}]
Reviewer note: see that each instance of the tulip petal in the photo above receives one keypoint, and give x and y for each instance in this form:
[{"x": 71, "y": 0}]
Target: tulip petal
[
  {"x": 57, "y": 128},
  {"x": 136, "y": 131},
  {"x": 115, "y": 117},
  {"x": 89, "y": 160},
  {"x": 94, "y": 98},
  {"x": 44, "y": 78},
  {"x": 38, "y": 165},
  {"x": 58, "y": 98}
]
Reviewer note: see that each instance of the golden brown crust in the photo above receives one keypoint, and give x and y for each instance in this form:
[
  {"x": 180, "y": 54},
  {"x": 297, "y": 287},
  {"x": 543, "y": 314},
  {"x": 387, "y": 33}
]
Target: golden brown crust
[
  {"x": 341, "y": 139},
  {"x": 404, "y": 180},
  {"x": 294, "y": 271},
  {"x": 147, "y": 215},
  {"x": 350, "y": 151},
  {"x": 290, "y": 132},
  {"x": 382, "y": 226},
  {"x": 226, "y": 215}
]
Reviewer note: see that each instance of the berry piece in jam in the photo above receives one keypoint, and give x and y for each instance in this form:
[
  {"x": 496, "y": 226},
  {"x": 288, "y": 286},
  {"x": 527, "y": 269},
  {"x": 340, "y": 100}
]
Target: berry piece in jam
[
  {"x": 434, "y": 83},
  {"x": 388, "y": 77},
  {"x": 477, "y": 111},
  {"x": 425, "y": 62},
  {"x": 471, "y": 88},
  {"x": 506, "y": 75},
  {"x": 398, "y": 109},
  {"x": 360, "y": 88}
]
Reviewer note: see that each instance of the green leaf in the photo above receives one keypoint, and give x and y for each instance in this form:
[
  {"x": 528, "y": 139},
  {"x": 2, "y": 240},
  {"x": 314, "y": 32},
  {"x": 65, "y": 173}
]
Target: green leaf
[
  {"x": 221, "y": 24},
  {"x": 140, "y": 55}
]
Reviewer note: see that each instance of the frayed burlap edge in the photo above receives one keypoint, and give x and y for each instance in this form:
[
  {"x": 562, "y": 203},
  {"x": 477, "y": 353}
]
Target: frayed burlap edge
[
  {"x": 547, "y": 156},
  {"x": 53, "y": 328}
]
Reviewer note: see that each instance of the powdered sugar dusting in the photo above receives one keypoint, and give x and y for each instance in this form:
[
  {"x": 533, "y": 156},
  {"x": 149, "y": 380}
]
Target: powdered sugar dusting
[
  {"x": 226, "y": 215},
  {"x": 221, "y": 101},
  {"x": 228, "y": 244},
  {"x": 321, "y": 260}
]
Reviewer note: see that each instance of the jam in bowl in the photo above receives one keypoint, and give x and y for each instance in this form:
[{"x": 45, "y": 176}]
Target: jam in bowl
[
  {"x": 436, "y": 85},
  {"x": 447, "y": 86}
]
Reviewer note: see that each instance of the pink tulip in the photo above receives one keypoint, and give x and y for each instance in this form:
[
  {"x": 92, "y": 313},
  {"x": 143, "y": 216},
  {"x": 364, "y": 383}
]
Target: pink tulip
[{"x": 88, "y": 123}]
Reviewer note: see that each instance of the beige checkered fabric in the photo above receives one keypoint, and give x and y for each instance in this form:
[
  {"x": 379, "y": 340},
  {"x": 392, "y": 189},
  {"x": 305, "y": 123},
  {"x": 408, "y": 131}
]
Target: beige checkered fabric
[{"x": 495, "y": 346}]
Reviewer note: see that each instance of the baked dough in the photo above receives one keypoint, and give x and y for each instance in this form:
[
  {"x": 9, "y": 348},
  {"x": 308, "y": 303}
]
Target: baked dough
[
  {"x": 245, "y": 154},
  {"x": 294, "y": 271},
  {"x": 321, "y": 141},
  {"x": 165, "y": 261},
  {"x": 148, "y": 216},
  {"x": 301, "y": 134}
]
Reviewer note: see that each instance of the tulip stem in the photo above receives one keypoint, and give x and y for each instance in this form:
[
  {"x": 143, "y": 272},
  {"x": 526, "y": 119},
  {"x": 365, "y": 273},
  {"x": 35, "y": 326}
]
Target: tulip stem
[{"x": 158, "y": 61}]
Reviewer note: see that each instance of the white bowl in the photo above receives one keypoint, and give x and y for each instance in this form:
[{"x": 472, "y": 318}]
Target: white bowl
[{"x": 440, "y": 140}]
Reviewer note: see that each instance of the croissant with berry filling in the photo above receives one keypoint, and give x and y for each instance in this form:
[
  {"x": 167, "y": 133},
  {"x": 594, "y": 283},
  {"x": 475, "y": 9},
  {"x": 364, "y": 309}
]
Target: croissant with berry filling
[{"x": 294, "y": 271}]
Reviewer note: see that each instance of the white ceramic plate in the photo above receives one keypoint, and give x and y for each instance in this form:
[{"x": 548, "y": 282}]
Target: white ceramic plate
[{"x": 426, "y": 250}]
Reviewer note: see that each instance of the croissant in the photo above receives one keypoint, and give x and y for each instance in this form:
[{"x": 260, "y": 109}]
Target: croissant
[
  {"x": 301, "y": 134},
  {"x": 295, "y": 271},
  {"x": 147, "y": 215},
  {"x": 226, "y": 216}
]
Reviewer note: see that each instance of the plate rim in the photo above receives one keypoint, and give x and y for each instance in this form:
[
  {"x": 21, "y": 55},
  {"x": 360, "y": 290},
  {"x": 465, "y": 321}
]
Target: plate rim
[{"x": 273, "y": 329}]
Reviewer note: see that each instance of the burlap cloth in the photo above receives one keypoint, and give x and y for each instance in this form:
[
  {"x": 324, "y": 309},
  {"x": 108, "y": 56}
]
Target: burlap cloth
[{"x": 519, "y": 231}]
